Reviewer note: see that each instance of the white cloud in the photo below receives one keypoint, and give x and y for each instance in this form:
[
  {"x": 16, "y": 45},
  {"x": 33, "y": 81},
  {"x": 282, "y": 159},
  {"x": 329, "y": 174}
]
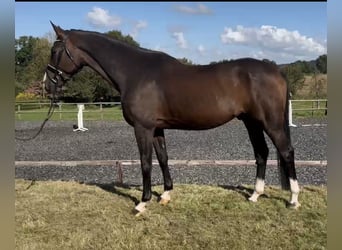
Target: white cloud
[
  {"x": 274, "y": 39},
  {"x": 200, "y": 9},
  {"x": 101, "y": 18},
  {"x": 201, "y": 49},
  {"x": 180, "y": 40},
  {"x": 138, "y": 27},
  {"x": 158, "y": 48}
]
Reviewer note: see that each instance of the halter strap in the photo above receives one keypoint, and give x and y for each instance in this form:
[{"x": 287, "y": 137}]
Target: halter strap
[{"x": 55, "y": 69}]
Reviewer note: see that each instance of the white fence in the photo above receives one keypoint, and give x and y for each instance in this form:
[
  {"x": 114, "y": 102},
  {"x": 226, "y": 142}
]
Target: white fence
[
  {"x": 105, "y": 110},
  {"x": 66, "y": 111}
]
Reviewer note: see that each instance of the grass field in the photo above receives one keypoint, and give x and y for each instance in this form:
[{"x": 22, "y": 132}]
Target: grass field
[
  {"x": 318, "y": 108},
  {"x": 69, "y": 215}
]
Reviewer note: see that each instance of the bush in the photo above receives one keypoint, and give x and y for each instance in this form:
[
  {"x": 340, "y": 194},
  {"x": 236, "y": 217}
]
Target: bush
[{"x": 26, "y": 97}]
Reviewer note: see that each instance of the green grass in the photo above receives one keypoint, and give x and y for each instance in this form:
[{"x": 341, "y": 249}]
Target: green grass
[
  {"x": 308, "y": 105},
  {"x": 68, "y": 215}
]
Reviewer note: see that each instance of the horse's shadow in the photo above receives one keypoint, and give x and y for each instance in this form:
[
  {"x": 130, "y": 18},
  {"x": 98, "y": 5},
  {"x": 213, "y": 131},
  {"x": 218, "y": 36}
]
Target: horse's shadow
[
  {"x": 244, "y": 191},
  {"x": 247, "y": 192},
  {"x": 113, "y": 188}
]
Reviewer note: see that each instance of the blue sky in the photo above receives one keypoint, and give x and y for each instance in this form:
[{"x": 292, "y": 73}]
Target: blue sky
[{"x": 200, "y": 31}]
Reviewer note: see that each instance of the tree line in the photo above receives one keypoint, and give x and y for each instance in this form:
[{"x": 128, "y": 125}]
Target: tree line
[{"x": 32, "y": 54}]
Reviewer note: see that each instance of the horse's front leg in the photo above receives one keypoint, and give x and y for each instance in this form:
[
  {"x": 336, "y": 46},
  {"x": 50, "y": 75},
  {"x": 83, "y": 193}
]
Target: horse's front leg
[{"x": 144, "y": 139}]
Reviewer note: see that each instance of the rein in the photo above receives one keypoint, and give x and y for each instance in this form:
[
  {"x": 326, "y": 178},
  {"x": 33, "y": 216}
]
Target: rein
[
  {"x": 57, "y": 73},
  {"x": 48, "y": 116}
]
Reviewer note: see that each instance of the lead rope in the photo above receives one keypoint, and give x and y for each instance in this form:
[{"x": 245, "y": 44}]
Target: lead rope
[{"x": 48, "y": 116}]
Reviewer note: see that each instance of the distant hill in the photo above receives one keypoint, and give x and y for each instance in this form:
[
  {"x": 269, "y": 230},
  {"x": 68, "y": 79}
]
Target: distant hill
[{"x": 312, "y": 63}]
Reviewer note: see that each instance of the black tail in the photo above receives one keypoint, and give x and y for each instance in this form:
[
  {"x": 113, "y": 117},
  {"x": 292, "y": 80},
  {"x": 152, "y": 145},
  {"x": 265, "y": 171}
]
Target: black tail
[{"x": 284, "y": 178}]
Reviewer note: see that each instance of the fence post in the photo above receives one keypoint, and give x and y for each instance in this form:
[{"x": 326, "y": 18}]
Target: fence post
[
  {"x": 290, "y": 115},
  {"x": 60, "y": 110},
  {"x": 326, "y": 108},
  {"x": 101, "y": 111},
  {"x": 317, "y": 106},
  {"x": 19, "y": 115}
]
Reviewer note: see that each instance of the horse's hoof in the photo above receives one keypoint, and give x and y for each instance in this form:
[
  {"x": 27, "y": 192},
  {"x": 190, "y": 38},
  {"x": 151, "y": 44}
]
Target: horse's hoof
[
  {"x": 164, "y": 201},
  {"x": 252, "y": 199},
  {"x": 137, "y": 213},
  {"x": 165, "y": 198},
  {"x": 140, "y": 209},
  {"x": 294, "y": 205}
]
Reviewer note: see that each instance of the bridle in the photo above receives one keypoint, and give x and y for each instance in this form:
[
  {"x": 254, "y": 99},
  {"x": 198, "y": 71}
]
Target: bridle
[{"x": 57, "y": 73}]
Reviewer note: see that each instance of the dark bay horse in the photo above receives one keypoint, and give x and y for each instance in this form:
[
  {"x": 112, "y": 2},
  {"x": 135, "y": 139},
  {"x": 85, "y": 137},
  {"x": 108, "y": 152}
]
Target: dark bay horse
[{"x": 158, "y": 92}]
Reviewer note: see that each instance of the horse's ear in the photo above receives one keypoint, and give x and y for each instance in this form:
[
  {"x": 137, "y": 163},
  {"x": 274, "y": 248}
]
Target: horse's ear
[{"x": 60, "y": 33}]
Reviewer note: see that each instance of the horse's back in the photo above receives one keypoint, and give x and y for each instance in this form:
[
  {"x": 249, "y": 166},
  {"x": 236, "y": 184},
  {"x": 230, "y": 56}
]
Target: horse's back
[{"x": 222, "y": 91}]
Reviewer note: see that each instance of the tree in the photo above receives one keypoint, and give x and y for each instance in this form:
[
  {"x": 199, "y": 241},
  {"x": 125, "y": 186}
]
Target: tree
[
  {"x": 185, "y": 61},
  {"x": 221, "y": 61},
  {"x": 119, "y": 36},
  {"x": 317, "y": 87},
  {"x": 295, "y": 77},
  {"x": 23, "y": 55},
  {"x": 321, "y": 64},
  {"x": 40, "y": 58},
  {"x": 81, "y": 87},
  {"x": 269, "y": 61},
  {"x": 31, "y": 58}
]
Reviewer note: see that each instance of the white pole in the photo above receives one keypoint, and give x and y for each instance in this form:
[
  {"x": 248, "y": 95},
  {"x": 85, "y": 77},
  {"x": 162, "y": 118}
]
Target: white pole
[
  {"x": 80, "y": 115},
  {"x": 290, "y": 115},
  {"x": 80, "y": 118}
]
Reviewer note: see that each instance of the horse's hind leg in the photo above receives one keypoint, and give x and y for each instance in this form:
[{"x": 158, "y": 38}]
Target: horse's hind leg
[
  {"x": 256, "y": 135},
  {"x": 160, "y": 148},
  {"x": 283, "y": 144}
]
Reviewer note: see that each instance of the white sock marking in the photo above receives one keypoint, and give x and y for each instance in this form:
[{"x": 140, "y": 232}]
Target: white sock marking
[
  {"x": 141, "y": 207},
  {"x": 166, "y": 196},
  {"x": 259, "y": 190},
  {"x": 294, "y": 191}
]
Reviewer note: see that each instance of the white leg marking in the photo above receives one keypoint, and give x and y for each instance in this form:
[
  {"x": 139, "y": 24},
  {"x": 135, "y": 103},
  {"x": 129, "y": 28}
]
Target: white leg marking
[
  {"x": 166, "y": 196},
  {"x": 141, "y": 207},
  {"x": 259, "y": 190},
  {"x": 294, "y": 193}
]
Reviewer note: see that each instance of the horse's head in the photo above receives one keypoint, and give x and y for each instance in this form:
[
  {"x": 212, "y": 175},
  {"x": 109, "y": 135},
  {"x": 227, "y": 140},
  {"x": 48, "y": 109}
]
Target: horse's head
[{"x": 65, "y": 61}]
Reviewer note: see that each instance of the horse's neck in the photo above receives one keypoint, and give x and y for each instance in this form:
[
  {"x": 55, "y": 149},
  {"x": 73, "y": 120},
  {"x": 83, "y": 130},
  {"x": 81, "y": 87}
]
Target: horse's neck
[{"x": 111, "y": 64}]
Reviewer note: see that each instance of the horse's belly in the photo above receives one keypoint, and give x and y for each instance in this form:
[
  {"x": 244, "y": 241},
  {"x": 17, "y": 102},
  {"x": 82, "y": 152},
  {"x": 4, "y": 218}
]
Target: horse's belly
[{"x": 195, "y": 122}]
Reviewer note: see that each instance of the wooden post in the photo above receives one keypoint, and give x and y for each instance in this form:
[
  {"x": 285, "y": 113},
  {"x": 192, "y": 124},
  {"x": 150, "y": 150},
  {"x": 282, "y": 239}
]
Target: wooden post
[
  {"x": 60, "y": 110},
  {"x": 326, "y": 107},
  {"x": 120, "y": 173},
  {"x": 101, "y": 111},
  {"x": 19, "y": 115}
]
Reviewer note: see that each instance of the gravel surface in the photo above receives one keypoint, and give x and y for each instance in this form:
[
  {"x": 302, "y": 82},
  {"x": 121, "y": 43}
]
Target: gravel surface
[{"x": 115, "y": 141}]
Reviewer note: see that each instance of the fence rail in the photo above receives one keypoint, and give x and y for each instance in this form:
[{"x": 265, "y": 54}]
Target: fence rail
[
  {"x": 313, "y": 106},
  {"x": 112, "y": 110}
]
